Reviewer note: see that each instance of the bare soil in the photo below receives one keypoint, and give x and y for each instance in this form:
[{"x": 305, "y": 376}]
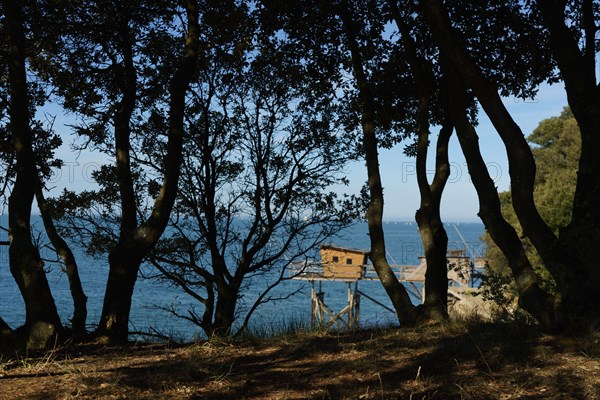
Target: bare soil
[{"x": 456, "y": 361}]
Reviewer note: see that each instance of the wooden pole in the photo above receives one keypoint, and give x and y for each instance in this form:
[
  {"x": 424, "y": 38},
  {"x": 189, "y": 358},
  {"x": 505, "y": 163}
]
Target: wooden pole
[
  {"x": 350, "y": 307},
  {"x": 356, "y": 303},
  {"x": 312, "y": 305}
]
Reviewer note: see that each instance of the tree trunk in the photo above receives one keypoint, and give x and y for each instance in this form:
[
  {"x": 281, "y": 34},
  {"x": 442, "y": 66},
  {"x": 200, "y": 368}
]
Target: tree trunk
[
  {"x": 220, "y": 315},
  {"x": 125, "y": 258},
  {"x": 209, "y": 309},
  {"x": 433, "y": 234},
  {"x": 531, "y": 297},
  {"x": 580, "y": 241},
  {"x": 224, "y": 311},
  {"x": 42, "y": 320},
  {"x": 133, "y": 246},
  {"x": 6, "y": 338},
  {"x": 395, "y": 290},
  {"x": 431, "y": 229},
  {"x": 5, "y": 329},
  {"x": 124, "y": 266},
  {"x": 65, "y": 253}
]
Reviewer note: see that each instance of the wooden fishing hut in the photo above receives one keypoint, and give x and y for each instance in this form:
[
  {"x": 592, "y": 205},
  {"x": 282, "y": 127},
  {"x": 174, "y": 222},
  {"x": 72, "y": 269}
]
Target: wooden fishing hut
[
  {"x": 350, "y": 265},
  {"x": 337, "y": 263},
  {"x": 342, "y": 263}
]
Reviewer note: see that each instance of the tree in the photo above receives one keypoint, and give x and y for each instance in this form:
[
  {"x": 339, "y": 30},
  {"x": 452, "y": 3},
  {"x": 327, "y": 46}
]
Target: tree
[
  {"x": 343, "y": 45},
  {"x": 138, "y": 240},
  {"x": 258, "y": 160},
  {"x": 113, "y": 64},
  {"x": 394, "y": 95},
  {"x": 567, "y": 256},
  {"x": 44, "y": 142},
  {"x": 431, "y": 229},
  {"x": 42, "y": 320},
  {"x": 532, "y": 297},
  {"x": 63, "y": 250},
  {"x": 404, "y": 309},
  {"x": 573, "y": 28}
]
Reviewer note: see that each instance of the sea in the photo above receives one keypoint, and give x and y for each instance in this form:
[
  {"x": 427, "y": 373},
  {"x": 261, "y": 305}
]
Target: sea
[{"x": 153, "y": 299}]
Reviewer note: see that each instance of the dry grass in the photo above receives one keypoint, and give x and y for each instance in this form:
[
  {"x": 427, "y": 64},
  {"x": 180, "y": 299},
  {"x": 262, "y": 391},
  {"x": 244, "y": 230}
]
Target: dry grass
[{"x": 456, "y": 361}]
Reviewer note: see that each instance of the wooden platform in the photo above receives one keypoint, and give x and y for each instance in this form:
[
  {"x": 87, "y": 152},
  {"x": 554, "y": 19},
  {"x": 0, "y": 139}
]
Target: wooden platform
[
  {"x": 315, "y": 271},
  {"x": 348, "y": 265}
]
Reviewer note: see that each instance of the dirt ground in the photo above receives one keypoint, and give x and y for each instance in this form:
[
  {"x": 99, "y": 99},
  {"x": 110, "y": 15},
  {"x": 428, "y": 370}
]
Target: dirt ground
[{"x": 458, "y": 361}]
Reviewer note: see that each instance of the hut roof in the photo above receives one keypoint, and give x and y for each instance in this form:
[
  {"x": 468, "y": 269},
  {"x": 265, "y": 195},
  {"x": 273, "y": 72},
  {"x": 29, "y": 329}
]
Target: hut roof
[{"x": 344, "y": 249}]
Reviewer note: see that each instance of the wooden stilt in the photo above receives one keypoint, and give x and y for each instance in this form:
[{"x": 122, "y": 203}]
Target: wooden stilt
[
  {"x": 350, "y": 307},
  {"x": 356, "y": 296},
  {"x": 313, "y": 305},
  {"x": 319, "y": 309}
]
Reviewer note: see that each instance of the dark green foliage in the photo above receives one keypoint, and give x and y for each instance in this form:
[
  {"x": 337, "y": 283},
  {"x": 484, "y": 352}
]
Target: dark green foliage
[
  {"x": 103, "y": 50},
  {"x": 556, "y": 145},
  {"x": 509, "y": 42}
]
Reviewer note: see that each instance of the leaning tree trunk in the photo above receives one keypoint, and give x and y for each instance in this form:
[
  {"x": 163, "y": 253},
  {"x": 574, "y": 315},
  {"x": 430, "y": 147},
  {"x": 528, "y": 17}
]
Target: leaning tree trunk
[
  {"x": 395, "y": 290},
  {"x": 42, "y": 321},
  {"x": 431, "y": 229},
  {"x": 531, "y": 297},
  {"x": 65, "y": 253},
  {"x": 135, "y": 244}
]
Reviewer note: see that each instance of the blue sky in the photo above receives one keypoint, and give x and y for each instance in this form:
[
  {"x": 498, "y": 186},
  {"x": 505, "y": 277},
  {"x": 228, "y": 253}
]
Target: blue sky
[{"x": 398, "y": 171}]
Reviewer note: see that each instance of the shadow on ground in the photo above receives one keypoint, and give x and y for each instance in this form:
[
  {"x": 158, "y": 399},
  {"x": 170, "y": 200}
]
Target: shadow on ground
[{"x": 478, "y": 361}]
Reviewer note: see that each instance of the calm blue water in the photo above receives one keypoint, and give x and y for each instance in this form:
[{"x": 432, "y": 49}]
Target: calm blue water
[{"x": 402, "y": 242}]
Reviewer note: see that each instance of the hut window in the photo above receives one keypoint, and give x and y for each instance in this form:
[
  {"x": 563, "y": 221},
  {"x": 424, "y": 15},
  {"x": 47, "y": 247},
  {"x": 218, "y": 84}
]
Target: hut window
[
  {"x": 336, "y": 259},
  {"x": 349, "y": 261}
]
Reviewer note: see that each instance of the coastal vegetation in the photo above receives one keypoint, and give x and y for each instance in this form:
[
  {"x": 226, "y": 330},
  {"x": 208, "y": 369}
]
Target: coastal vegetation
[
  {"x": 556, "y": 145},
  {"x": 224, "y": 125},
  {"x": 462, "y": 360}
]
